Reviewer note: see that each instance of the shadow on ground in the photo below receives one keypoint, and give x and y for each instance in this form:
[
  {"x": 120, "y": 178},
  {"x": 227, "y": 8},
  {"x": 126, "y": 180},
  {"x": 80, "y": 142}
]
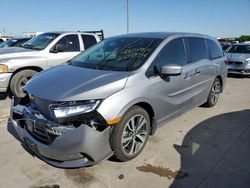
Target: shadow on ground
[
  {"x": 5, "y": 95},
  {"x": 216, "y": 153}
]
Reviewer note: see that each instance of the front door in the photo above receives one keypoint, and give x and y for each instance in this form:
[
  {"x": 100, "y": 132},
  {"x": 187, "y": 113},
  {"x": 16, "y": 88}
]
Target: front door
[
  {"x": 64, "y": 50},
  {"x": 174, "y": 96}
]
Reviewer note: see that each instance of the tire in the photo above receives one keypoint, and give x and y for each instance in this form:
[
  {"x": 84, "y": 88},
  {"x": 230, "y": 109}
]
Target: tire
[
  {"x": 128, "y": 141},
  {"x": 19, "y": 80},
  {"x": 214, "y": 93}
]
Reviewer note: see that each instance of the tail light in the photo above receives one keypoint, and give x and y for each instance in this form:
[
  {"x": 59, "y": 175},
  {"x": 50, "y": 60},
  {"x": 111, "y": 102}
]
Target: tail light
[{"x": 226, "y": 62}]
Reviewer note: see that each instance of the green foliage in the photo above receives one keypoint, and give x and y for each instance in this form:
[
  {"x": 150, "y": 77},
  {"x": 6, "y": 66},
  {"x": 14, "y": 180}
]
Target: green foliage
[{"x": 243, "y": 38}]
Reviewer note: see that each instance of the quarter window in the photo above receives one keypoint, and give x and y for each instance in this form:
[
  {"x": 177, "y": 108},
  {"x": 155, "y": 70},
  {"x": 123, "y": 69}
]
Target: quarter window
[
  {"x": 173, "y": 53},
  {"x": 88, "y": 41},
  {"x": 215, "y": 51},
  {"x": 197, "y": 49}
]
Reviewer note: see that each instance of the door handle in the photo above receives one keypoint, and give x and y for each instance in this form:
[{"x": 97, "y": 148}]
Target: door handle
[{"x": 197, "y": 72}]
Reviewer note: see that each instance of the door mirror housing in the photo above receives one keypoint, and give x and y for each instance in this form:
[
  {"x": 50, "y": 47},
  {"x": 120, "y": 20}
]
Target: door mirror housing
[
  {"x": 170, "y": 70},
  {"x": 57, "y": 48}
]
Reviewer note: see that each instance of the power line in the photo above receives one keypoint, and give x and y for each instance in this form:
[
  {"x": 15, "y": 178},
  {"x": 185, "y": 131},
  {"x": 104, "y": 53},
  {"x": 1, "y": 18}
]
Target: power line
[{"x": 106, "y": 13}]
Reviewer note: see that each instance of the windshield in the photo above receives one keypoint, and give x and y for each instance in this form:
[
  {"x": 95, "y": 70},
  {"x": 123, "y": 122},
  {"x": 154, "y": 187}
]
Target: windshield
[
  {"x": 117, "y": 54},
  {"x": 8, "y": 43},
  {"x": 242, "y": 49},
  {"x": 40, "y": 42}
]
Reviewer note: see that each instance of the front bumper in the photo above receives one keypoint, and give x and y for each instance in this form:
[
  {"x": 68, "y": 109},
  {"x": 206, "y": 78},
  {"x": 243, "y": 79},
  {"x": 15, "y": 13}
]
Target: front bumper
[
  {"x": 4, "y": 81},
  {"x": 83, "y": 146}
]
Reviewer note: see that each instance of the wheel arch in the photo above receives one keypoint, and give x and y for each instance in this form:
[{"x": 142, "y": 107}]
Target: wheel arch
[
  {"x": 35, "y": 68},
  {"x": 221, "y": 82},
  {"x": 149, "y": 109}
]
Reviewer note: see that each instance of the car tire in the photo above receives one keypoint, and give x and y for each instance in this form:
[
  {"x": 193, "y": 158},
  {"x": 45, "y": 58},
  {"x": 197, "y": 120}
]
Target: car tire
[
  {"x": 129, "y": 137},
  {"x": 19, "y": 80},
  {"x": 214, "y": 93}
]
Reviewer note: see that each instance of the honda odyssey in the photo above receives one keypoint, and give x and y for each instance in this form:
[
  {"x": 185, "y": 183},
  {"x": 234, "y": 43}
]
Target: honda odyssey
[{"x": 110, "y": 98}]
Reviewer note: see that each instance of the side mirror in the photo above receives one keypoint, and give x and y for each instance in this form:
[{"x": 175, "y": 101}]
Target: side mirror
[
  {"x": 57, "y": 48},
  {"x": 170, "y": 70}
]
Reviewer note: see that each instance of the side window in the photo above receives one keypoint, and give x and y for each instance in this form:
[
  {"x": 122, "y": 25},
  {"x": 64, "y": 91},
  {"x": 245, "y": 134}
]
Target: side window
[
  {"x": 69, "y": 43},
  {"x": 88, "y": 41},
  {"x": 173, "y": 53},
  {"x": 214, "y": 49},
  {"x": 197, "y": 49}
]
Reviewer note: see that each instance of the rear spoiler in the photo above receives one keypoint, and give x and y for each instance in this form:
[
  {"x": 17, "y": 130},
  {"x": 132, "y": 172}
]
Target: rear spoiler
[{"x": 98, "y": 32}]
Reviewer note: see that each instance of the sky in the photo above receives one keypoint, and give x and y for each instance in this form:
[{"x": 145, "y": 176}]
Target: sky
[{"x": 218, "y": 18}]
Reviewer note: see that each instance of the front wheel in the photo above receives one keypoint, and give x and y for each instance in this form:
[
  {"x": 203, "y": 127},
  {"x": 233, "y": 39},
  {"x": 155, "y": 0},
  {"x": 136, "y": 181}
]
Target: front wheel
[
  {"x": 214, "y": 93},
  {"x": 129, "y": 137},
  {"x": 19, "y": 80}
]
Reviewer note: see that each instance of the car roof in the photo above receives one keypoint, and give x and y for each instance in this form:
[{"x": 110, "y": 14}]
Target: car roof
[
  {"x": 160, "y": 35},
  {"x": 63, "y": 32},
  {"x": 241, "y": 44}
]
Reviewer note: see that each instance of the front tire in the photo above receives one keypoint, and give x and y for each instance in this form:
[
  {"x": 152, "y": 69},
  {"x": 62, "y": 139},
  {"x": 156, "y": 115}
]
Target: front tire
[
  {"x": 19, "y": 80},
  {"x": 129, "y": 137},
  {"x": 214, "y": 93}
]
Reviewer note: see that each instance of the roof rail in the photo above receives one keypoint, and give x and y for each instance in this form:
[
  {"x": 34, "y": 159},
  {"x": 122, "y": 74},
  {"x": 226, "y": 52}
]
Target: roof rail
[{"x": 100, "y": 33}]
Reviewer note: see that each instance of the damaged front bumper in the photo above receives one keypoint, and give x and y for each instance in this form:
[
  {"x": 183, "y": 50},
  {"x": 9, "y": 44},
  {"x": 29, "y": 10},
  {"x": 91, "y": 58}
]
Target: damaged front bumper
[{"x": 79, "y": 146}]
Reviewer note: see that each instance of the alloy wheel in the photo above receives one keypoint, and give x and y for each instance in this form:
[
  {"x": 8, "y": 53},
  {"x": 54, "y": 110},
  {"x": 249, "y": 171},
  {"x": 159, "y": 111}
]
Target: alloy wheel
[{"x": 134, "y": 135}]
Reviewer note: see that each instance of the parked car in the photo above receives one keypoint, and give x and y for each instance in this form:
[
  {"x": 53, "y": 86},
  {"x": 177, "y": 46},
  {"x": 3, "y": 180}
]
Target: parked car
[
  {"x": 19, "y": 64},
  {"x": 225, "y": 45},
  {"x": 238, "y": 56},
  {"x": 14, "y": 42},
  {"x": 110, "y": 98}
]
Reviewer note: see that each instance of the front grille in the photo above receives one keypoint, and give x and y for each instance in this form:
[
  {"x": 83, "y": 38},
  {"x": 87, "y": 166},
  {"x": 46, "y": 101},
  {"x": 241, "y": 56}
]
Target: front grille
[
  {"x": 38, "y": 130},
  {"x": 235, "y": 63}
]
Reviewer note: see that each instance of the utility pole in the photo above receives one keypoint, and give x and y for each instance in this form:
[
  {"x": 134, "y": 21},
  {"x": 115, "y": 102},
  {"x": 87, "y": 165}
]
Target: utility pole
[{"x": 127, "y": 16}]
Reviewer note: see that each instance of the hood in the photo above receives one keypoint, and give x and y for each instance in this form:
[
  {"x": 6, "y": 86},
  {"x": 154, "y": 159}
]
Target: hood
[
  {"x": 14, "y": 52},
  {"x": 70, "y": 83},
  {"x": 237, "y": 57}
]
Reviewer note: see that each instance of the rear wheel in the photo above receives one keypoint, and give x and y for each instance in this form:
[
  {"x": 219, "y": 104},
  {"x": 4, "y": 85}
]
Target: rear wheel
[
  {"x": 214, "y": 93},
  {"x": 129, "y": 137},
  {"x": 19, "y": 80}
]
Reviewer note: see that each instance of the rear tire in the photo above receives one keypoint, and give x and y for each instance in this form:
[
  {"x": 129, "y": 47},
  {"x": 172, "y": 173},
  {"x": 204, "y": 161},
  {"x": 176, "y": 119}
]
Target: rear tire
[
  {"x": 129, "y": 137},
  {"x": 214, "y": 93},
  {"x": 19, "y": 80}
]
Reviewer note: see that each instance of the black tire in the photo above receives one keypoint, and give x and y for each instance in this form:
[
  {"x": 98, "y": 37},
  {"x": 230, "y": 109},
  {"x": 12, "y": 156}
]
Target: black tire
[
  {"x": 137, "y": 138},
  {"x": 19, "y": 80},
  {"x": 214, "y": 93}
]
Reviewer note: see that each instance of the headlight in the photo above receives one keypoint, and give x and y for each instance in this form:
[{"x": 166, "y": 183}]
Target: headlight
[
  {"x": 74, "y": 108},
  {"x": 3, "y": 68},
  {"x": 247, "y": 61}
]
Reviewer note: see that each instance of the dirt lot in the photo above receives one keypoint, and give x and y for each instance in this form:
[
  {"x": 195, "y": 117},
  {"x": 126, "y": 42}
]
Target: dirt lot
[{"x": 206, "y": 147}]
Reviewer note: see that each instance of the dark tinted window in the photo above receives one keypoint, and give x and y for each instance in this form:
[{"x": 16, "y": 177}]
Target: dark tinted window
[
  {"x": 214, "y": 49},
  {"x": 173, "y": 53},
  {"x": 68, "y": 43},
  {"x": 88, "y": 41},
  {"x": 197, "y": 49}
]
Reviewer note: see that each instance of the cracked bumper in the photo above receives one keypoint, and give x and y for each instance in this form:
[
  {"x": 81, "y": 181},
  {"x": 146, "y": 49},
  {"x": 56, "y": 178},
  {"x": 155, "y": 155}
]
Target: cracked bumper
[{"x": 83, "y": 146}]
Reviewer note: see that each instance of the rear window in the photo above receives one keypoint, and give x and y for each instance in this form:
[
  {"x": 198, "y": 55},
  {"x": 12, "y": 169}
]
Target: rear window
[
  {"x": 214, "y": 49},
  {"x": 197, "y": 49},
  {"x": 88, "y": 41}
]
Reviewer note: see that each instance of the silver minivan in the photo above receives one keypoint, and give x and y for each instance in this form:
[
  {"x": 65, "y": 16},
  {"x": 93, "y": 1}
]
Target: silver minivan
[{"x": 110, "y": 98}]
